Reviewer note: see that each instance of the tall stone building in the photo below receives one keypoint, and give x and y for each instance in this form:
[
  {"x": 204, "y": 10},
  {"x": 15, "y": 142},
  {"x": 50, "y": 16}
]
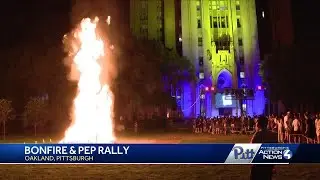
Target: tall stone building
[
  {"x": 220, "y": 37},
  {"x": 154, "y": 19}
]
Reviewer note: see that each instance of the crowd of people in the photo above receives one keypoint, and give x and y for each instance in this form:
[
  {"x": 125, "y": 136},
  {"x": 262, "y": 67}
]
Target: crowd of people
[
  {"x": 297, "y": 126},
  {"x": 291, "y": 127},
  {"x": 224, "y": 125}
]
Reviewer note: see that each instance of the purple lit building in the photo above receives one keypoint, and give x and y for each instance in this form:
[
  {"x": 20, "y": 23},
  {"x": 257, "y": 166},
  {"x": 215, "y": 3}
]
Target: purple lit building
[{"x": 220, "y": 37}]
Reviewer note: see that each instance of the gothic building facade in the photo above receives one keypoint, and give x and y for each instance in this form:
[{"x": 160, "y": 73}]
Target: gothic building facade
[{"x": 220, "y": 37}]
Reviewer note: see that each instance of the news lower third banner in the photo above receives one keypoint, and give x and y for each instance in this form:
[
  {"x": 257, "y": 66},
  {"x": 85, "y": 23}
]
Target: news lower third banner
[{"x": 159, "y": 153}]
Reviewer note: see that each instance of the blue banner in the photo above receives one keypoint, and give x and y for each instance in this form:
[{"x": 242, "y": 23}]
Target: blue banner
[{"x": 159, "y": 153}]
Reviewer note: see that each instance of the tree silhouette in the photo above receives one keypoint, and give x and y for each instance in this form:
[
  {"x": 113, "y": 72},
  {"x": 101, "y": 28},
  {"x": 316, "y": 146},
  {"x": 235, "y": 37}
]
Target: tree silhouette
[
  {"x": 290, "y": 76},
  {"x": 36, "y": 113},
  {"x": 6, "y": 113},
  {"x": 146, "y": 72}
]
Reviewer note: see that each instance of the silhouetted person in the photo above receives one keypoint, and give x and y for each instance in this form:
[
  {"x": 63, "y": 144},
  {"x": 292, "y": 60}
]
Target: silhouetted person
[
  {"x": 262, "y": 135},
  {"x": 311, "y": 127},
  {"x": 308, "y": 123}
]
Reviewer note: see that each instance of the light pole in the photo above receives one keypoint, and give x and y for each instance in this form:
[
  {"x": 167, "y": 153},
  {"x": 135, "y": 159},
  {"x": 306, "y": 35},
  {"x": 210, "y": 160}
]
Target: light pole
[
  {"x": 203, "y": 92},
  {"x": 202, "y": 99}
]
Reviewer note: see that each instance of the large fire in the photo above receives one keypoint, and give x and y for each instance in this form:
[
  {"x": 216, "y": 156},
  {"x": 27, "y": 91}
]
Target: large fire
[{"x": 93, "y": 105}]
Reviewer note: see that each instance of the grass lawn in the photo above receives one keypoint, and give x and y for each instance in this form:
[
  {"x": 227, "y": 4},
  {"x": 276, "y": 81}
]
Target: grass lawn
[{"x": 153, "y": 172}]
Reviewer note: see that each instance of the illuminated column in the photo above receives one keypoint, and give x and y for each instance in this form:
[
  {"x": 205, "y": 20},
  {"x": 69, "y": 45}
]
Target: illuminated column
[
  {"x": 250, "y": 39},
  {"x": 169, "y": 24},
  {"x": 205, "y": 51},
  {"x": 194, "y": 56},
  {"x": 134, "y": 17},
  {"x": 153, "y": 19},
  {"x": 189, "y": 50},
  {"x": 186, "y": 31},
  {"x": 206, "y": 37},
  {"x": 188, "y": 98},
  {"x": 233, "y": 32},
  {"x": 139, "y": 18},
  {"x": 146, "y": 18},
  {"x": 251, "y": 54}
]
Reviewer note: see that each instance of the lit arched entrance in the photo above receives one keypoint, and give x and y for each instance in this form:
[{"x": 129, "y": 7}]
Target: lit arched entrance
[{"x": 224, "y": 80}]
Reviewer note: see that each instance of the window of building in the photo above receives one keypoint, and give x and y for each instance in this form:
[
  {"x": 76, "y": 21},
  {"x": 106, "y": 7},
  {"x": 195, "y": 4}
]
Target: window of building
[
  {"x": 238, "y": 5},
  {"x": 198, "y": 5},
  {"x": 200, "y": 61},
  {"x": 200, "y": 41},
  {"x": 240, "y": 42},
  {"x": 242, "y": 75},
  {"x": 242, "y": 68},
  {"x": 161, "y": 38},
  {"x": 199, "y": 23},
  {"x": 241, "y": 59},
  {"x": 143, "y": 15},
  {"x": 198, "y": 14},
  {"x": 213, "y": 5},
  {"x": 144, "y": 4},
  {"x": 159, "y": 19},
  {"x": 210, "y": 21},
  {"x": 201, "y": 75},
  {"x": 144, "y": 32},
  {"x": 238, "y": 23},
  {"x": 161, "y": 29},
  {"x": 223, "y": 5},
  {"x": 224, "y": 22},
  {"x": 199, "y": 33},
  {"x": 144, "y": 21},
  {"x": 200, "y": 51},
  {"x": 215, "y": 22}
]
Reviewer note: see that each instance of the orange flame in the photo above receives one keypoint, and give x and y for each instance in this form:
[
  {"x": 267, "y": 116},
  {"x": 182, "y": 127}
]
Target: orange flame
[{"x": 93, "y": 105}]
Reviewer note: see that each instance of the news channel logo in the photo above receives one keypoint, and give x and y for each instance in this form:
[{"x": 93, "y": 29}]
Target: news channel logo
[
  {"x": 275, "y": 153},
  {"x": 246, "y": 153},
  {"x": 243, "y": 153}
]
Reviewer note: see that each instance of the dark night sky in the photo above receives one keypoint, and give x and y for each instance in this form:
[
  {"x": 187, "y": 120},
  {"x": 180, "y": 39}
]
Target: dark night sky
[
  {"x": 306, "y": 16},
  {"x": 32, "y": 21},
  {"x": 35, "y": 20}
]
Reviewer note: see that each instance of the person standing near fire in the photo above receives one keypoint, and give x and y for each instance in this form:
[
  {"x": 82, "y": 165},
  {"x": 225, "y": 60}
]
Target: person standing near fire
[
  {"x": 286, "y": 126},
  {"x": 263, "y": 135},
  {"x": 280, "y": 130},
  {"x": 317, "y": 126}
]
